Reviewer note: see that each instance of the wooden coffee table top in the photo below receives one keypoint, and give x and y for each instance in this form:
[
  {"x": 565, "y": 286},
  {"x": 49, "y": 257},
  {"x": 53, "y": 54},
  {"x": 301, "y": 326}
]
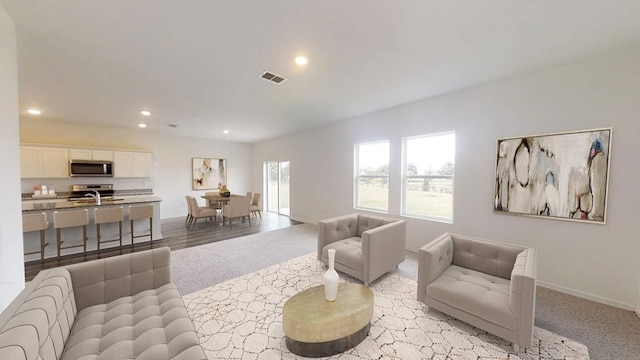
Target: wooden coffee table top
[{"x": 308, "y": 317}]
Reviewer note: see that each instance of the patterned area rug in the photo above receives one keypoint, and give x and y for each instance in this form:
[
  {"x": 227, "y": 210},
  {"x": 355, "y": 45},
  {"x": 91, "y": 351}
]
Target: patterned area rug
[{"x": 242, "y": 319}]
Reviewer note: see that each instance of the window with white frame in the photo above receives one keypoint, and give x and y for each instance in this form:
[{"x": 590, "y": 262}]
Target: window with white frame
[
  {"x": 428, "y": 168},
  {"x": 371, "y": 186}
]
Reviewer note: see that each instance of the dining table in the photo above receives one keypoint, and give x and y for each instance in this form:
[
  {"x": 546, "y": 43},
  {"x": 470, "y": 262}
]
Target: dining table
[{"x": 219, "y": 199}]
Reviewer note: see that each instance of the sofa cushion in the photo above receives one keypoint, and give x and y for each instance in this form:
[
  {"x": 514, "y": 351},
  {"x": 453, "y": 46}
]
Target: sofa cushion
[
  {"x": 38, "y": 322},
  {"x": 153, "y": 324},
  {"x": 476, "y": 293},
  {"x": 371, "y": 222},
  {"x": 348, "y": 252},
  {"x": 485, "y": 256}
]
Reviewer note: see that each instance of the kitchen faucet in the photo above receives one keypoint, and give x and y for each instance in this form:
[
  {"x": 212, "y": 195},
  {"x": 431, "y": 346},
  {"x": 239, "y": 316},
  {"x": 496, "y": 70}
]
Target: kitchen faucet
[{"x": 96, "y": 196}]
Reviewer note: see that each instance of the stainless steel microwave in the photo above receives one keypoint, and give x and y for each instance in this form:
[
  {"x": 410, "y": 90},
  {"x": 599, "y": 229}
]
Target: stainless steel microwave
[{"x": 90, "y": 168}]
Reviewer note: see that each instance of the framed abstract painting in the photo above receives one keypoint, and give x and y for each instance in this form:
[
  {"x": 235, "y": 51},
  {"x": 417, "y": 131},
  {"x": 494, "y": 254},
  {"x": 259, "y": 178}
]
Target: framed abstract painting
[
  {"x": 561, "y": 176},
  {"x": 208, "y": 173}
]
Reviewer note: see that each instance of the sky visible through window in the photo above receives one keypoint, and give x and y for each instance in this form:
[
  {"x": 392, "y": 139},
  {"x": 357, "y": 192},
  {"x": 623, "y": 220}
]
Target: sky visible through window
[
  {"x": 373, "y": 155},
  {"x": 430, "y": 153}
]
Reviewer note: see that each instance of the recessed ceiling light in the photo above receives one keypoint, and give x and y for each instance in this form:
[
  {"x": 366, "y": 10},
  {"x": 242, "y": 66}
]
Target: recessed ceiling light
[
  {"x": 301, "y": 60},
  {"x": 145, "y": 112},
  {"x": 34, "y": 112},
  {"x": 225, "y": 131},
  {"x": 142, "y": 125}
]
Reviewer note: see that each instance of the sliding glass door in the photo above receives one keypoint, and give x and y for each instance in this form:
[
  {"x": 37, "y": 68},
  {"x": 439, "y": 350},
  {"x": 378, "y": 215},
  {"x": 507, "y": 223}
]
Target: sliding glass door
[{"x": 277, "y": 184}]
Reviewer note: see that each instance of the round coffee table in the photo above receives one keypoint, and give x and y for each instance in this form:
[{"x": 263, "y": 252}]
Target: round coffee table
[{"x": 316, "y": 327}]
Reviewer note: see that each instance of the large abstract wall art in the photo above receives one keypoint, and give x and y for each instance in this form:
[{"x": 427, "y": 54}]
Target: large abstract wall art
[
  {"x": 208, "y": 173},
  {"x": 560, "y": 176}
]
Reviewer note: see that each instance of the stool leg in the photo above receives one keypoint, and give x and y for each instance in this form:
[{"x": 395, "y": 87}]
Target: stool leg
[
  {"x": 58, "y": 235},
  {"x": 120, "y": 227},
  {"x": 131, "y": 234},
  {"x": 98, "y": 235},
  {"x": 84, "y": 239},
  {"x": 41, "y": 246},
  {"x": 150, "y": 230}
]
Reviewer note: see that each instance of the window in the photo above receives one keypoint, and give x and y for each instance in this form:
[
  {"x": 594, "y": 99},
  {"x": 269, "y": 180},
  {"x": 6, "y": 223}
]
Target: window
[
  {"x": 371, "y": 187},
  {"x": 428, "y": 168}
]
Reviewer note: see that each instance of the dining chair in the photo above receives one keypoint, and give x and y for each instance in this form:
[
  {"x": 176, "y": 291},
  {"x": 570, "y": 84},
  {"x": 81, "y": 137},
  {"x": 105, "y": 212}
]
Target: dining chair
[
  {"x": 238, "y": 208},
  {"x": 255, "y": 204},
  {"x": 201, "y": 212}
]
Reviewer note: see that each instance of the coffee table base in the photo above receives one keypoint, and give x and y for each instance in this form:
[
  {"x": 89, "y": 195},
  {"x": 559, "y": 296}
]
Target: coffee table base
[{"x": 327, "y": 348}]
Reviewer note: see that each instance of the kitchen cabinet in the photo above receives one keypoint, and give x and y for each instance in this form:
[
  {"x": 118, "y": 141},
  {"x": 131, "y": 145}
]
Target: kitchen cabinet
[
  {"x": 43, "y": 162},
  {"x": 131, "y": 164},
  {"x": 90, "y": 154}
]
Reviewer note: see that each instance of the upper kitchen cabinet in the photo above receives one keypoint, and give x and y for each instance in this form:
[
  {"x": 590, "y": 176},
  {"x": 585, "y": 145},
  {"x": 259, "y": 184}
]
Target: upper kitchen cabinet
[
  {"x": 44, "y": 162},
  {"x": 131, "y": 164},
  {"x": 90, "y": 154}
]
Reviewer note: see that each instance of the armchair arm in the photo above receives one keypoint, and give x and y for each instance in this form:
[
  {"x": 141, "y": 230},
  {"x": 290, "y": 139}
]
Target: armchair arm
[
  {"x": 522, "y": 294},
  {"x": 383, "y": 248},
  {"x": 433, "y": 259},
  {"x": 103, "y": 280},
  {"x": 334, "y": 229}
]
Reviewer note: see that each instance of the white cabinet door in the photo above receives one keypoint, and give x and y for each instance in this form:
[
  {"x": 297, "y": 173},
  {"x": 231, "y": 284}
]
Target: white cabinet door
[
  {"x": 55, "y": 162},
  {"x": 90, "y": 154},
  {"x": 122, "y": 164},
  {"x": 104, "y": 155},
  {"x": 141, "y": 164},
  {"x": 80, "y": 154},
  {"x": 30, "y": 162},
  {"x": 44, "y": 162},
  {"x": 131, "y": 164}
]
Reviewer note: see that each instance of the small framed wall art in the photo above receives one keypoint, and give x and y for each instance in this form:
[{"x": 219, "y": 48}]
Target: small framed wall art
[
  {"x": 560, "y": 176},
  {"x": 208, "y": 173}
]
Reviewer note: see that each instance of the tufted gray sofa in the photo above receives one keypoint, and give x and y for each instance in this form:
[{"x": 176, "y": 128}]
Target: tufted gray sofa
[
  {"x": 366, "y": 246},
  {"x": 122, "y": 307},
  {"x": 487, "y": 284}
]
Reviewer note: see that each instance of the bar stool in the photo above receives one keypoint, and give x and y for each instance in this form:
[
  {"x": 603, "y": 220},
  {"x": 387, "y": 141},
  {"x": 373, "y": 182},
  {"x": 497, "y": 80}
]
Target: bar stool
[
  {"x": 36, "y": 222},
  {"x": 67, "y": 219},
  {"x": 108, "y": 215},
  {"x": 141, "y": 213}
]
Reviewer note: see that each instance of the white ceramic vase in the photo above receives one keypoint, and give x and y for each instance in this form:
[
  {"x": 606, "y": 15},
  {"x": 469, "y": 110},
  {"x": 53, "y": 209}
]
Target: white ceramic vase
[{"x": 331, "y": 278}]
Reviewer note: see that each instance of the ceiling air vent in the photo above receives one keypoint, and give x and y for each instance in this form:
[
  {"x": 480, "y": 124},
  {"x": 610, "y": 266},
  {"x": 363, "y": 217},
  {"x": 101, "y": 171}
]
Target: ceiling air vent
[{"x": 272, "y": 77}]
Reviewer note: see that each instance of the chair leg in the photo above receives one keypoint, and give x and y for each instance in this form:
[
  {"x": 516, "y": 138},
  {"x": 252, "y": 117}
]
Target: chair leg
[
  {"x": 131, "y": 234},
  {"x": 150, "y": 230},
  {"x": 120, "y": 228},
  {"x": 249, "y": 217}
]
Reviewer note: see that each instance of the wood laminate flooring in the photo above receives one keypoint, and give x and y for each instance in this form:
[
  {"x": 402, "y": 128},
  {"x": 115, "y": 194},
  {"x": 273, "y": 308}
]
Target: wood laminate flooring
[{"x": 176, "y": 235}]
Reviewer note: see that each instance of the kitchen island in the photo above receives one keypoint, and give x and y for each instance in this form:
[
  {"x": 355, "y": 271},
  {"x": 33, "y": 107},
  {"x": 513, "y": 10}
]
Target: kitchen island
[{"x": 74, "y": 235}]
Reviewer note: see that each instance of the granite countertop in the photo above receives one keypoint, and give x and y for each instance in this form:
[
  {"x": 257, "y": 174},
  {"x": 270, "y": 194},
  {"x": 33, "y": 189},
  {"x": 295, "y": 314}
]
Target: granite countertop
[{"x": 59, "y": 204}]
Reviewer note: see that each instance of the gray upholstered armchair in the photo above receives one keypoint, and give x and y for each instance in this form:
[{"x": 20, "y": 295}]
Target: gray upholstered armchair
[
  {"x": 487, "y": 284},
  {"x": 366, "y": 246}
]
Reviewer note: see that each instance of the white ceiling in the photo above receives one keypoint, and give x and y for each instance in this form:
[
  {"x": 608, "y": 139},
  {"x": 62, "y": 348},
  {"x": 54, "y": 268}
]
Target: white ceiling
[{"x": 195, "y": 63}]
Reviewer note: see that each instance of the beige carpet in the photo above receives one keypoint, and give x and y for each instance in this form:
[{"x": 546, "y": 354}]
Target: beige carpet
[{"x": 242, "y": 319}]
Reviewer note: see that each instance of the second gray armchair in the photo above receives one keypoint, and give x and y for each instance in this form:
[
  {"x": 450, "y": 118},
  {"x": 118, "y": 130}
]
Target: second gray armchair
[{"x": 366, "y": 246}]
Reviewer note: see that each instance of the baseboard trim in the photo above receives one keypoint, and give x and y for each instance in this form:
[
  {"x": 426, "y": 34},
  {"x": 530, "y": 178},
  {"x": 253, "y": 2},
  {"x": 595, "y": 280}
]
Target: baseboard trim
[{"x": 587, "y": 296}]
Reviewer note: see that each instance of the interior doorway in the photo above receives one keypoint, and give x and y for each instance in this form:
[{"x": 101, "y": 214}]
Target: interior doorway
[{"x": 277, "y": 186}]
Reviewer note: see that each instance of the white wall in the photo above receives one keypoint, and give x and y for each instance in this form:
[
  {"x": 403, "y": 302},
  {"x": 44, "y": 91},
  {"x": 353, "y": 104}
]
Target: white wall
[
  {"x": 594, "y": 261},
  {"x": 11, "y": 266},
  {"x": 172, "y": 155}
]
